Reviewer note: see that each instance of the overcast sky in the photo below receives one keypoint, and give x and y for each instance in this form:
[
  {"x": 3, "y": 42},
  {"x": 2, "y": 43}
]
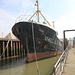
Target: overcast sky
[{"x": 60, "y": 11}]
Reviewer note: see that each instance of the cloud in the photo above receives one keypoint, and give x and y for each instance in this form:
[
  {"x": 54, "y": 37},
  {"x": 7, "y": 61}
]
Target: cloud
[
  {"x": 6, "y": 21},
  {"x": 22, "y": 3},
  {"x": 10, "y": 2},
  {"x": 5, "y": 15},
  {"x": 66, "y": 22},
  {"x": 11, "y": 9},
  {"x": 27, "y": 3},
  {"x": 8, "y": 15}
]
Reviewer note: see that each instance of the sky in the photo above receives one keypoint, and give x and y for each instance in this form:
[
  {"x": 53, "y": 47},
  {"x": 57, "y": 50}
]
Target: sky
[{"x": 60, "y": 11}]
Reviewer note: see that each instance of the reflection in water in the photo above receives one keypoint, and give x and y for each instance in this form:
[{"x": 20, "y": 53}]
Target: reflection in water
[
  {"x": 12, "y": 62},
  {"x": 18, "y": 66}
]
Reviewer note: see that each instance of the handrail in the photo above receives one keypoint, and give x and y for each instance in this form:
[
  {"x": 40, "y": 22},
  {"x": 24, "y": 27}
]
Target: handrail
[{"x": 60, "y": 63}]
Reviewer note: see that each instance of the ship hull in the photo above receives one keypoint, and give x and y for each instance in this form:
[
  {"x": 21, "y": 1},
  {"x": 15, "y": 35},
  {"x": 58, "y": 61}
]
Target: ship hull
[
  {"x": 45, "y": 40},
  {"x": 31, "y": 56}
]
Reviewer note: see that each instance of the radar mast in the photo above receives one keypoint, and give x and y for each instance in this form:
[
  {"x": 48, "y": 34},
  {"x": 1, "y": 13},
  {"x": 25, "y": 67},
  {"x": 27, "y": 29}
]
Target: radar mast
[{"x": 38, "y": 12}]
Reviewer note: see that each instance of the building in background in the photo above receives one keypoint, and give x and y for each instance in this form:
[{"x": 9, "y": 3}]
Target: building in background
[
  {"x": 11, "y": 36},
  {"x": 74, "y": 42}
]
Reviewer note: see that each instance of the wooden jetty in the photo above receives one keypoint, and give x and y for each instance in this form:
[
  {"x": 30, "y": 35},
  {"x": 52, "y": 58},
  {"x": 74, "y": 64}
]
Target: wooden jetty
[{"x": 11, "y": 47}]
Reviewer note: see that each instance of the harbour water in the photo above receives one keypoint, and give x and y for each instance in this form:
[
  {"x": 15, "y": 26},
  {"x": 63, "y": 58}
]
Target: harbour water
[{"x": 18, "y": 66}]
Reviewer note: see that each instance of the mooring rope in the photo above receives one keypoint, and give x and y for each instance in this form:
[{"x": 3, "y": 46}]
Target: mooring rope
[
  {"x": 5, "y": 48},
  {"x": 35, "y": 50}
]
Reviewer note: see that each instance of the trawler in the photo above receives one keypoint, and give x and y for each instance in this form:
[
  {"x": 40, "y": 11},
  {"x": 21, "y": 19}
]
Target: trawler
[{"x": 39, "y": 40}]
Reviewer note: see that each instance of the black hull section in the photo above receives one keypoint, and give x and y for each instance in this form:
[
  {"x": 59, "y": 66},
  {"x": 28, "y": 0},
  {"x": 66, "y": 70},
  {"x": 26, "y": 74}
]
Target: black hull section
[{"x": 45, "y": 38}]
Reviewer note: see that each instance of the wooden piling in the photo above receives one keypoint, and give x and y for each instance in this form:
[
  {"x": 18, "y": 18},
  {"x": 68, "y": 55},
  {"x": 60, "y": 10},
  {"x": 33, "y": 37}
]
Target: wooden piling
[
  {"x": 5, "y": 44},
  {"x": 9, "y": 48},
  {"x": 1, "y": 48},
  {"x": 18, "y": 47},
  {"x": 15, "y": 49}
]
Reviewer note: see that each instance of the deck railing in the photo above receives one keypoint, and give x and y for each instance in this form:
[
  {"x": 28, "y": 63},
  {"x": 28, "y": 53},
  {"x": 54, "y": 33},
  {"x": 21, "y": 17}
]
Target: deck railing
[{"x": 59, "y": 66}]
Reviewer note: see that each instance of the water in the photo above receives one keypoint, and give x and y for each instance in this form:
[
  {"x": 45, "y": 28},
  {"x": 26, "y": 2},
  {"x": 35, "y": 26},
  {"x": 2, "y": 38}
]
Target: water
[{"x": 18, "y": 66}]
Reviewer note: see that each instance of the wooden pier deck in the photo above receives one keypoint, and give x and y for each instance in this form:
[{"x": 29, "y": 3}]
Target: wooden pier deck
[{"x": 69, "y": 68}]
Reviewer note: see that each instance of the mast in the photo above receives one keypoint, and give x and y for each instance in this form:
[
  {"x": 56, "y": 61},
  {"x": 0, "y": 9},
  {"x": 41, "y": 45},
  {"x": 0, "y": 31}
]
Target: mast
[{"x": 38, "y": 12}]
